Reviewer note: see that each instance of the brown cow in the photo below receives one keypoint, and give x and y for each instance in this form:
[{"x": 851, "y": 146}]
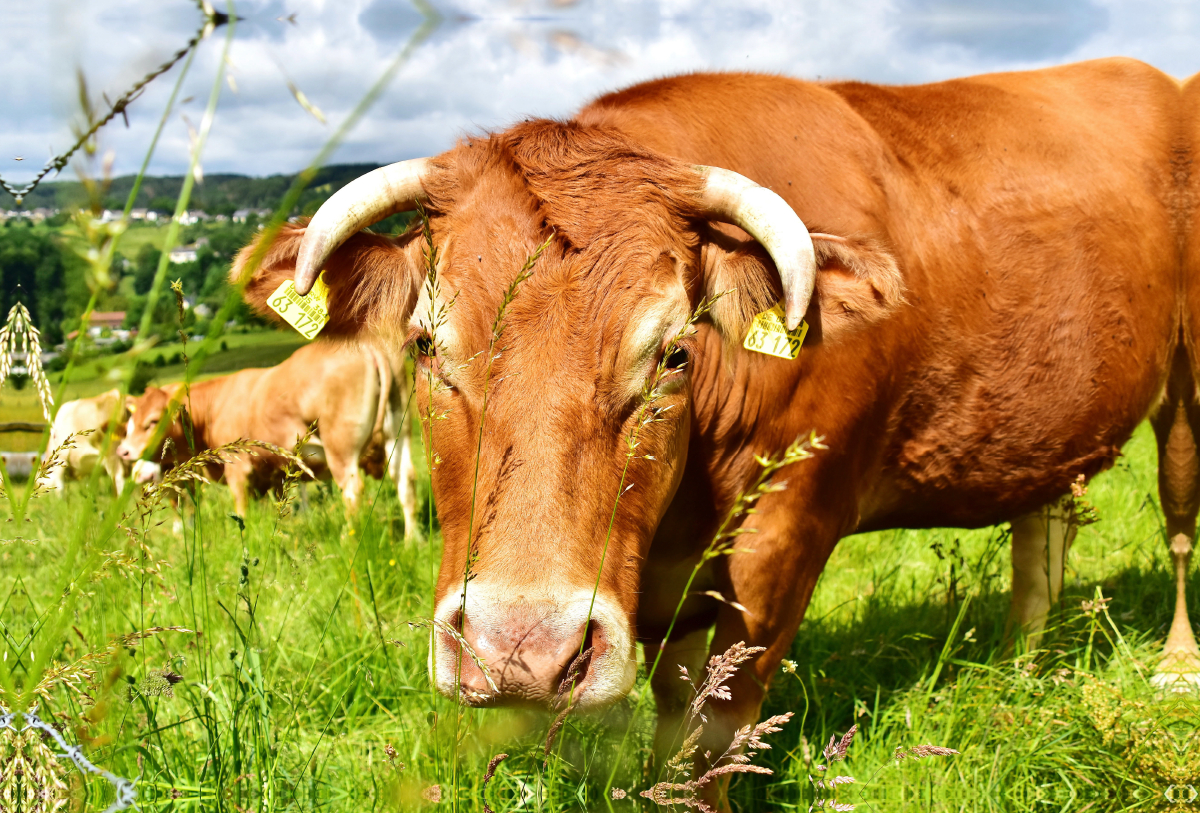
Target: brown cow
[
  {"x": 347, "y": 390},
  {"x": 997, "y": 300}
]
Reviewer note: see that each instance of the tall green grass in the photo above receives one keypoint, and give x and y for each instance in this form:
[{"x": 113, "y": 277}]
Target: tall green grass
[{"x": 302, "y": 671}]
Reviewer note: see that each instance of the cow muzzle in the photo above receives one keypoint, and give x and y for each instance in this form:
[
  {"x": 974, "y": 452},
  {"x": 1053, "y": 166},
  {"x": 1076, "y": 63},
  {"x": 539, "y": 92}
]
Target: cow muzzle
[{"x": 538, "y": 651}]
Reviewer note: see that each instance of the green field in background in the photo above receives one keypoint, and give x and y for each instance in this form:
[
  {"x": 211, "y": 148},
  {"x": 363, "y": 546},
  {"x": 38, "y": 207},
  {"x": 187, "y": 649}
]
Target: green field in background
[{"x": 264, "y": 348}]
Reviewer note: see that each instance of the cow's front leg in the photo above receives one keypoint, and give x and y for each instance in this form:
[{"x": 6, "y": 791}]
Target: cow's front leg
[
  {"x": 116, "y": 470},
  {"x": 773, "y": 579},
  {"x": 348, "y": 476},
  {"x": 237, "y": 477},
  {"x": 673, "y": 693},
  {"x": 1040, "y": 542},
  {"x": 404, "y": 475}
]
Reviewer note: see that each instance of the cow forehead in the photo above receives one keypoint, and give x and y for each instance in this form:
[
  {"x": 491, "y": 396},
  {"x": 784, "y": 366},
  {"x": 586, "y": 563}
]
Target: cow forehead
[
  {"x": 153, "y": 403},
  {"x": 622, "y": 314}
]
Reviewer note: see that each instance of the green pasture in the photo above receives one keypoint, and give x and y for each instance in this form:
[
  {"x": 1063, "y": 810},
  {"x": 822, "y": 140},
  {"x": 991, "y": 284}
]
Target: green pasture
[{"x": 304, "y": 681}]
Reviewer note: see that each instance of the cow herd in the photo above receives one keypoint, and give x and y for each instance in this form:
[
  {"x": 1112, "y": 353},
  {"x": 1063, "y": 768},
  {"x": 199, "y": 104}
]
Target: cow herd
[
  {"x": 345, "y": 405},
  {"x": 1000, "y": 279}
]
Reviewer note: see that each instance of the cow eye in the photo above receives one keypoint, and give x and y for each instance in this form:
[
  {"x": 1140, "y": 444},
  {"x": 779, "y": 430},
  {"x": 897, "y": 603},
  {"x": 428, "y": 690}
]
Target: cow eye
[
  {"x": 424, "y": 346},
  {"x": 676, "y": 359}
]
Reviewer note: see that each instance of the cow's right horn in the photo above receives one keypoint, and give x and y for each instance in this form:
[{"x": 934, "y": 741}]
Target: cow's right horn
[
  {"x": 733, "y": 198},
  {"x": 361, "y": 203}
]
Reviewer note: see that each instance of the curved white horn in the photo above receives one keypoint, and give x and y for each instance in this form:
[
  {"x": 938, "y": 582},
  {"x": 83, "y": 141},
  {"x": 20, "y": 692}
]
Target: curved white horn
[
  {"x": 357, "y": 205},
  {"x": 734, "y": 198}
]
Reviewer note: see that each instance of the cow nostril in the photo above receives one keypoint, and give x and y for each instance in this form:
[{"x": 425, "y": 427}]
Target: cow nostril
[{"x": 578, "y": 670}]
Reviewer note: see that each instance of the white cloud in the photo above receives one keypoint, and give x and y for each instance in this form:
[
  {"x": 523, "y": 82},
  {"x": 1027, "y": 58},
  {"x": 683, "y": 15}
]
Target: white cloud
[{"x": 488, "y": 64}]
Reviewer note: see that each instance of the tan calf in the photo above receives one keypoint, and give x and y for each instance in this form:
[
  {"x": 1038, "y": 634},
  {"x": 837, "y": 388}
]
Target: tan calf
[
  {"x": 91, "y": 415},
  {"x": 342, "y": 388}
]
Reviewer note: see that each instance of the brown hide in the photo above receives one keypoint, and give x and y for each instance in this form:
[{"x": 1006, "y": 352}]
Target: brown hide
[
  {"x": 999, "y": 300},
  {"x": 339, "y": 387}
]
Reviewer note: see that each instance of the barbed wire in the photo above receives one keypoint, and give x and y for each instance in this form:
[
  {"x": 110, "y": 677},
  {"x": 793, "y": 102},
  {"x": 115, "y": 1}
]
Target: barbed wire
[
  {"x": 212, "y": 20},
  {"x": 125, "y": 789}
]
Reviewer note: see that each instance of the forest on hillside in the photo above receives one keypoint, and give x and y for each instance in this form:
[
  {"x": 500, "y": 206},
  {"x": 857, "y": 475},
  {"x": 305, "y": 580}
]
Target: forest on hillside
[
  {"x": 43, "y": 267},
  {"x": 217, "y": 195},
  {"x": 42, "y": 262}
]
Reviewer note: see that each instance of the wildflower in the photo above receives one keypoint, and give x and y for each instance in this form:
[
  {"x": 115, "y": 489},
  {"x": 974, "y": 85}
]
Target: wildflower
[
  {"x": 789, "y": 667},
  {"x": 491, "y": 767},
  {"x": 1079, "y": 488},
  {"x": 836, "y": 750},
  {"x": 433, "y": 793},
  {"x": 922, "y": 751},
  {"x": 1094, "y": 606},
  {"x": 617, "y": 793},
  {"x": 737, "y": 758},
  {"x": 1061, "y": 676}
]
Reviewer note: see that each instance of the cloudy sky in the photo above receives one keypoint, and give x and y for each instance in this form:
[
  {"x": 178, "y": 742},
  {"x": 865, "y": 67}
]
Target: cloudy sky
[{"x": 486, "y": 63}]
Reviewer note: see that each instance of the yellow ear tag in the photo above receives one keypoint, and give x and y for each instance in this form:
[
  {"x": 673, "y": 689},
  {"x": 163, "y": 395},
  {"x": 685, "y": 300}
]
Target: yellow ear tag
[
  {"x": 308, "y": 314},
  {"x": 769, "y": 335}
]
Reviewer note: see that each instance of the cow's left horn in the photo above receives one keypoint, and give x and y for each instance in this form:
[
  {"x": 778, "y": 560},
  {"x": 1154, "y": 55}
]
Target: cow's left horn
[
  {"x": 733, "y": 198},
  {"x": 361, "y": 203}
]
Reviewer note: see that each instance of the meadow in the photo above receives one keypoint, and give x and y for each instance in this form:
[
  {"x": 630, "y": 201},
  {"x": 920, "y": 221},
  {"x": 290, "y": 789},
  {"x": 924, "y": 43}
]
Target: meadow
[
  {"x": 295, "y": 675},
  {"x": 279, "y": 661}
]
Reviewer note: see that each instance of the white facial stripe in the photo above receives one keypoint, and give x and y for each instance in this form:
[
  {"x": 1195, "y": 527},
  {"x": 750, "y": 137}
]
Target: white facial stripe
[
  {"x": 644, "y": 338},
  {"x": 130, "y": 428},
  {"x": 490, "y": 606},
  {"x": 422, "y": 318}
]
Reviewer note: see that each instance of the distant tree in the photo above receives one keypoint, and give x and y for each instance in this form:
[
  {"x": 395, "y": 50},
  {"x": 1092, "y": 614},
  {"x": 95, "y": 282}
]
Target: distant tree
[
  {"x": 144, "y": 268},
  {"x": 31, "y": 271},
  {"x": 143, "y": 374},
  {"x": 228, "y": 241}
]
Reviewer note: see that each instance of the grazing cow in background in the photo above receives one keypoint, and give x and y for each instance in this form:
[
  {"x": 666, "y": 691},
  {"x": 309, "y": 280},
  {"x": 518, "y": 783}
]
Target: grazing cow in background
[
  {"x": 995, "y": 292},
  {"x": 91, "y": 415},
  {"x": 346, "y": 389}
]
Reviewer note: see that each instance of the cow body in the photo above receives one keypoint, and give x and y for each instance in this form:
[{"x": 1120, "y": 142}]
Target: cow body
[
  {"x": 1003, "y": 295},
  {"x": 346, "y": 390},
  {"x": 91, "y": 416}
]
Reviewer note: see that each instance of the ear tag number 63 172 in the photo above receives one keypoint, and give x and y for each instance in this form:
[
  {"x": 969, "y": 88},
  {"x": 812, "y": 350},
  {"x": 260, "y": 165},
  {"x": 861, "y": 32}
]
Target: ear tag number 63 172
[
  {"x": 308, "y": 314},
  {"x": 769, "y": 335}
]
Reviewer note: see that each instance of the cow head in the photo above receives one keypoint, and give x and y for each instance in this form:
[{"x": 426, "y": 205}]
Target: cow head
[
  {"x": 538, "y": 420},
  {"x": 146, "y": 411}
]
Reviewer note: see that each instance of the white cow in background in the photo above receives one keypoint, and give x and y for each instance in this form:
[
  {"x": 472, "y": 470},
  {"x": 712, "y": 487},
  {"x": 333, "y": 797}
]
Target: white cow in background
[{"x": 83, "y": 415}]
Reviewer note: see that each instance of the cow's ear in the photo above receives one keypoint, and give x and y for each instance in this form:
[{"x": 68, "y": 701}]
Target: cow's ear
[
  {"x": 858, "y": 283},
  {"x": 373, "y": 281}
]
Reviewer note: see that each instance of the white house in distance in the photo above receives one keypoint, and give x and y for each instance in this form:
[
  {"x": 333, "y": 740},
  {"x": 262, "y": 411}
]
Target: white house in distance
[
  {"x": 102, "y": 321},
  {"x": 241, "y": 215},
  {"x": 139, "y": 215},
  {"x": 191, "y": 217},
  {"x": 183, "y": 254}
]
